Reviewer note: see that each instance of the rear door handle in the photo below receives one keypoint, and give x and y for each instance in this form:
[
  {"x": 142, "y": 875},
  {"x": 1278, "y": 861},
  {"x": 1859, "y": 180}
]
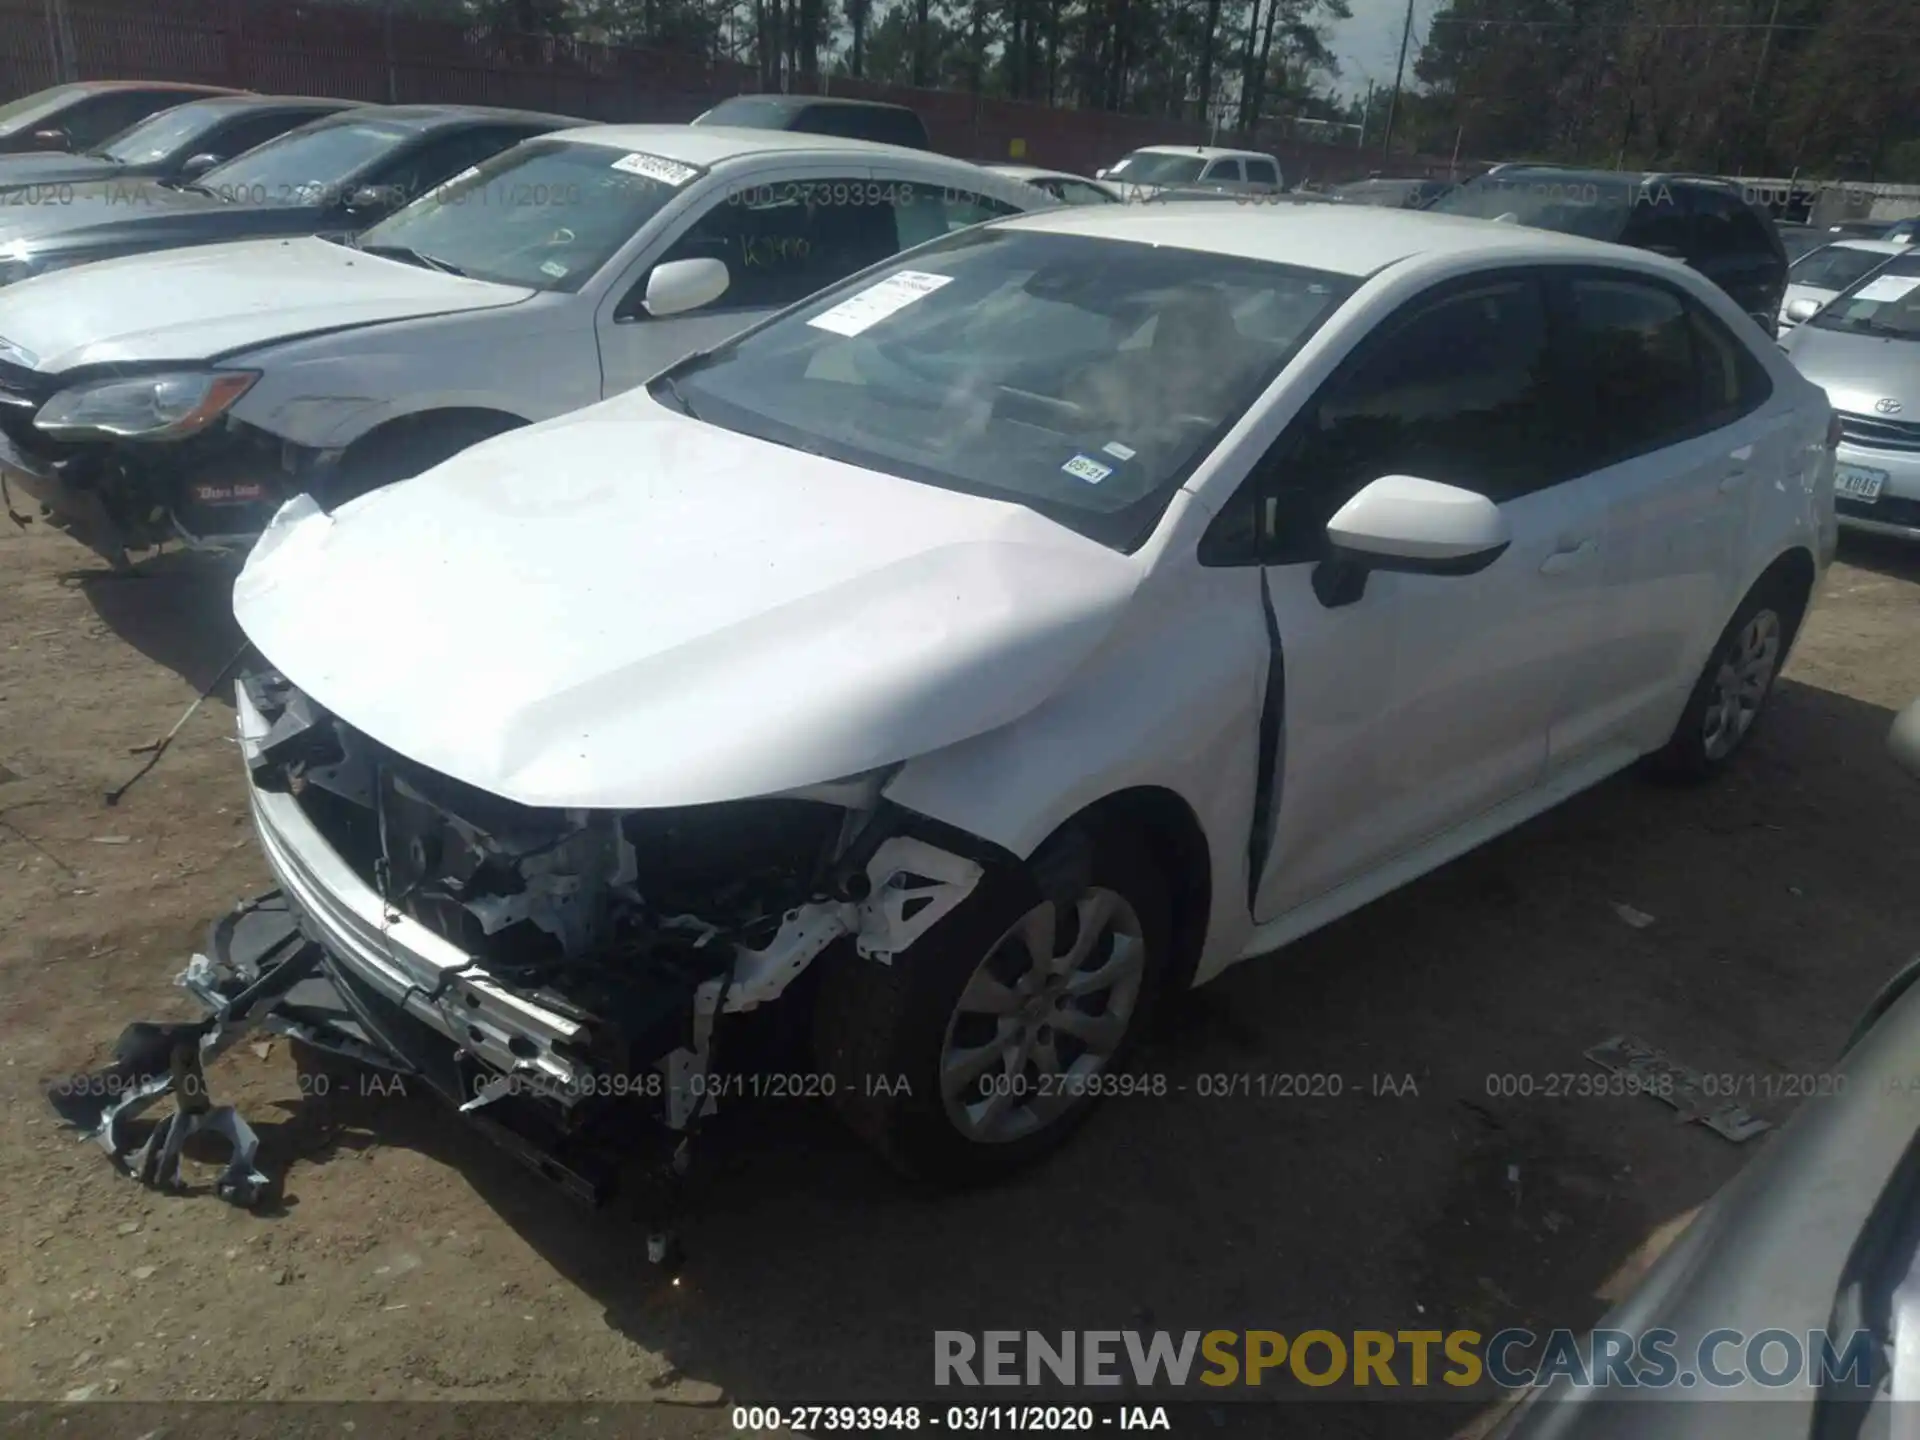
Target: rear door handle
[{"x": 1561, "y": 561}]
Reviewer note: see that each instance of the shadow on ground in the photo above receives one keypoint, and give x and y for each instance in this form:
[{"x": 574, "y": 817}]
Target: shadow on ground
[
  {"x": 1882, "y": 554},
  {"x": 176, "y": 609},
  {"x": 1433, "y": 1183}
]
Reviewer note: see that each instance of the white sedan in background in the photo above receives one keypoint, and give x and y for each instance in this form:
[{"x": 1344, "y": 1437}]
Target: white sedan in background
[
  {"x": 188, "y": 394},
  {"x": 1063, "y": 185},
  {"x": 1034, "y": 625},
  {"x": 1819, "y": 275}
]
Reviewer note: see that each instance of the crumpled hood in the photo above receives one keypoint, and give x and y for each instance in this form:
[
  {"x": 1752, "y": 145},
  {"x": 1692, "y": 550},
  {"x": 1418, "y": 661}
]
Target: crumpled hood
[
  {"x": 208, "y": 300},
  {"x": 627, "y": 608}
]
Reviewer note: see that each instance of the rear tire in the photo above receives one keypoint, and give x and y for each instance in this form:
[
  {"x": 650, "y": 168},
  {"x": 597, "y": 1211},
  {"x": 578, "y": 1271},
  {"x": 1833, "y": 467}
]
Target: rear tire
[
  {"x": 1727, "y": 700},
  {"x": 1023, "y": 1045}
]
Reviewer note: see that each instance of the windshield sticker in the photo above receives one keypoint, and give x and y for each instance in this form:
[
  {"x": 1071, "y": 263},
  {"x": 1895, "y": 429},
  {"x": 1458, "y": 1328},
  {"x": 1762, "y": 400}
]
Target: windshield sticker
[
  {"x": 653, "y": 167},
  {"x": 553, "y": 268},
  {"x": 1117, "y": 450},
  {"x": 1887, "y": 287},
  {"x": 1083, "y": 467},
  {"x": 875, "y": 303}
]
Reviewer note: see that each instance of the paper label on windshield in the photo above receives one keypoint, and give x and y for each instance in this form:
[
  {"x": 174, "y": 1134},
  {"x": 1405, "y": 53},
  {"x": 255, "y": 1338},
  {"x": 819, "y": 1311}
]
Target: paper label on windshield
[
  {"x": 875, "y": 303},
  {"x": 1083, "y": 467},
  {"x": 553, "y": 268},
  {"x": 1887, "y": 287},
  {"x": 1117, "y": 450},
  {"x": 655, "y": 167}
]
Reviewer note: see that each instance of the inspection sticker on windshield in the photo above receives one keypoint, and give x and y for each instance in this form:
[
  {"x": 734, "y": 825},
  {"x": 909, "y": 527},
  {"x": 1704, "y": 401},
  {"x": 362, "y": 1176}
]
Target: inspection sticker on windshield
[
  {"x": 1117, "y": 450},
  {"x": 1083, "y": 467},
  {"x": 553, "y": 268},
  {"x": 875, "y": 303},
  {"x": 667, "y": 172},
  {"x": 1887, "y": 287}
]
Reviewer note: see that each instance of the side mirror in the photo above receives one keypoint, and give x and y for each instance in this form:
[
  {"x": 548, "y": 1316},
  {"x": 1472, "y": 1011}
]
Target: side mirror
[
  {"x": 1101, "y": 173},
  {"x": 682, "y": 285},
  {"x": 1802, "y": 310},
  {"x": 53, "y": 138},
  {"x": 1903, "y": 741},
  {"x": 1411, "y": 526},
  {"x": 199, "y": 165}
]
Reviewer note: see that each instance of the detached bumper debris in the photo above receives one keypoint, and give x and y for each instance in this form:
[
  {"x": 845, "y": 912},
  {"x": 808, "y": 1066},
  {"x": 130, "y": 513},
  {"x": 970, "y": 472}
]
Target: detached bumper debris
[
  {"x": 1685, "y": 1090},
  {"x": 153, "y": 1061}
]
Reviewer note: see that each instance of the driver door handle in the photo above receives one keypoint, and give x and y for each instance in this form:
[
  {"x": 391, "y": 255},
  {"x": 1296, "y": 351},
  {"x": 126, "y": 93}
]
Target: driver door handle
[{"x": 1561, "y": 561}]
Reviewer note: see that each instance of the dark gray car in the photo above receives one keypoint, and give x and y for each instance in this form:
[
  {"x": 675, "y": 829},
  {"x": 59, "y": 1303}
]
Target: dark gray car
[
  {"x": 176, "y": 144},
  {"x": 336, "y": 176}
]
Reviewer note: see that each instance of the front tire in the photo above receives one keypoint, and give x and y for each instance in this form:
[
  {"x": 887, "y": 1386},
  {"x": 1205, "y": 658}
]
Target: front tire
[
  {"x": 984, "y": 1046},
  {"x": 1733, "y": 688}
]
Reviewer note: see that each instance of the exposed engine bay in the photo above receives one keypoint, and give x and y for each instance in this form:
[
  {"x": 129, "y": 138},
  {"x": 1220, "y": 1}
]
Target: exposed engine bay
[
  {"x": 570, "y": 956},
  {"x": 553, "y": 974}
]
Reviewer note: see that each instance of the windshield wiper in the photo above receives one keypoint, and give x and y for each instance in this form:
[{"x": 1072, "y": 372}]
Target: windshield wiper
[{"x": 411, "y": 257}]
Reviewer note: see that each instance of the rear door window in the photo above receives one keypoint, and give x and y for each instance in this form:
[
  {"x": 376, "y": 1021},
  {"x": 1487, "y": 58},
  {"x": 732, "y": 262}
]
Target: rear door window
[
  {"x": 1223, "y": 170},
  {"x": 1646, "y": 369},
  {"x": 1263, "y": 172}
]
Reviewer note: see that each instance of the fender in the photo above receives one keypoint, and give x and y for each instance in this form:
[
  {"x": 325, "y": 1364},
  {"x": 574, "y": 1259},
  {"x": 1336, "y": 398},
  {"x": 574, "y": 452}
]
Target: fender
[
  {"x": 1150, "y": 708},
  {"x": 325, "y": 392}
]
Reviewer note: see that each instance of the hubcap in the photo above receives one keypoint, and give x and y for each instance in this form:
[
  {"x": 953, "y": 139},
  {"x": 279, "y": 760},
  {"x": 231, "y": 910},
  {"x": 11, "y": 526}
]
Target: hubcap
[
  {"x": 1740, "y": 684},
  {"x": 1041, "y": 1016}
]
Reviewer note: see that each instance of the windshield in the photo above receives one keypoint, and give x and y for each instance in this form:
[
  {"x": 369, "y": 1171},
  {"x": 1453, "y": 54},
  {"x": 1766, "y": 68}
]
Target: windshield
[
  {"x": 546, "y": 214},
  {"x": 307, "y": 166},
  {"x": 1570, "y": 204},
  {"x": 167, "y": 133},
  {"x": 1885, "y": 303},
  {"x": 1834, "y": 267},
  {"x": 17, "y": 115},
  {"x": 1144, "y": 168},
  {"x": 1083, "y": 378}
]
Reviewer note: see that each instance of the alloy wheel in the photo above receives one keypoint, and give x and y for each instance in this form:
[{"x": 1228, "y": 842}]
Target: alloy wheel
[
  {"x": 1740, "y": 684},
  {"x": 1043, "y": 1014}
]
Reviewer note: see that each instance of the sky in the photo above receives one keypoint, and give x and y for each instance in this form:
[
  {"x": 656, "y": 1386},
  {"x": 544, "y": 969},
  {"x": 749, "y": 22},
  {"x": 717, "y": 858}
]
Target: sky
[{"x": 1368, "y": 44}]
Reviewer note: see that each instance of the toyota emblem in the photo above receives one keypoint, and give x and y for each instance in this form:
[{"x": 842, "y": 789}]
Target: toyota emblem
[{"x": 1888, "y": 407}]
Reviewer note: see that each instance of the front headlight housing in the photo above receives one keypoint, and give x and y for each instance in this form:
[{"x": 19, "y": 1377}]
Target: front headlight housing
[{"x": 170, "y": 405}]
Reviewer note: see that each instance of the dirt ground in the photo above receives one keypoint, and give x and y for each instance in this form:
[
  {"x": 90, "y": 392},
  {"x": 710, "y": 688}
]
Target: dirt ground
[{"x": 408, "y": 1260}]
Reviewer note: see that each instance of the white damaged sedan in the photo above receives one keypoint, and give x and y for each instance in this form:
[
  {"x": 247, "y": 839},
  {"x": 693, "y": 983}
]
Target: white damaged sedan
[{"x": 1037, "y": 622}]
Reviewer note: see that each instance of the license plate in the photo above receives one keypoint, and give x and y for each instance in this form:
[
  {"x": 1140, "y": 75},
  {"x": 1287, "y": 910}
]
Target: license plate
[
  {"x": 229, "y": 494},
  {"x": 1857, "y": 482}
]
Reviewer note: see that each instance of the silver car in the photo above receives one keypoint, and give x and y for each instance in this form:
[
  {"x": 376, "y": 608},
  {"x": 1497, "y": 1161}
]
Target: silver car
[{"x": 1863, "y": 349}]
